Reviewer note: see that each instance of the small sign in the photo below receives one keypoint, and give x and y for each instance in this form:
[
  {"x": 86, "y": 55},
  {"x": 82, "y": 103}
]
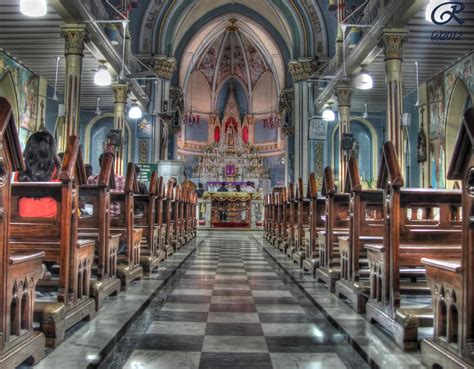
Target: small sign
[
  {"x": 318, "y": 129},
  {"x": 145, "y": 172}
]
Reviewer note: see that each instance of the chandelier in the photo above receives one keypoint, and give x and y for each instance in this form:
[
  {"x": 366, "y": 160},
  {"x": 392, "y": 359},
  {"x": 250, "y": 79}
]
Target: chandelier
[
  {"x": 190, "y": 118},
  {"x": 273, "y": 121}
]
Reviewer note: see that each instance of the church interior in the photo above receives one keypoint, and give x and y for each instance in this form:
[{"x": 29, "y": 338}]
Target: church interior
[{"x": 226, "y": 184}]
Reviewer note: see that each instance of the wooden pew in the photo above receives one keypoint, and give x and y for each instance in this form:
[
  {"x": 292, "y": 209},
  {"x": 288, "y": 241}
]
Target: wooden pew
[
  {"x": 291, "y": 222},
  {"x": 284, "y": 221},
  {"x": 316, "y": 225},
  {"x": 19, "y": 271},
  {"x": 70, "y": 301},
  {"x": 128, "y": 268},
  {"x": 451, "y": 281},
  {"x": 365, "y": 226},
  {"x": 167, "y": 220},
  {"x": 278, "y": 222},
  {"x": 336, "y": 225},
  {"x": 104, "y": 281},
  {"x": 193, "y": 214},
  {"x": 273, "y": 217},
  {"x": 160, "y": 224},
  {"x": 412, "y": 230},
  {"x": 175, "y": 223},
  {"x": 145, "y": 219},
  {"x": 267, "y": 217},
  {"x": 302, "y": 226}
]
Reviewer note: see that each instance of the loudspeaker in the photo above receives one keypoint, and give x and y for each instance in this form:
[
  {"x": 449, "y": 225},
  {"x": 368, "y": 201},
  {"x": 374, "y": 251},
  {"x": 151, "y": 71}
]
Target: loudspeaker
[{"x": 347, "y": 141}]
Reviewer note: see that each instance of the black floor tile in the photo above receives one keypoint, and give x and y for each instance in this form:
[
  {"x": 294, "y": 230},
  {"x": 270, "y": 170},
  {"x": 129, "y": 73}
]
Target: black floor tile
[
  {"x": 189, "y": 299},
  {"x": 284, "y": 318},
  {"x": 169, "y": 342},
  {"x": 233, "y": 308},
  {"x": 181, "y": 316},
  {"x": 275, "y": 300},
  {"x": 235, "y": 361},
  {"x": 300, "y": 344},
  {"x": 231, "y": 293},
  {"x": 233, "y": 329}
]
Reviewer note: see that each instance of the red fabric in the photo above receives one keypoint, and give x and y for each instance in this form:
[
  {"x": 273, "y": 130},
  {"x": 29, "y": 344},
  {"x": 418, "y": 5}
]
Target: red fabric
[
  {"x": 217, "y": 134},
  {"x": 230, "y": 121},
  {"x": 245, "y": 134},
  {"x": 40, "y": 207}
]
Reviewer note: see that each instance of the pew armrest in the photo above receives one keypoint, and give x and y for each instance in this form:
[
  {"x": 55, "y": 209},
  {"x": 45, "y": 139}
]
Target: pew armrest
[
  {"x": 374, "y": 247},
  {"x": 448, "y": 265},
  {"x": 22, "y": 257}
]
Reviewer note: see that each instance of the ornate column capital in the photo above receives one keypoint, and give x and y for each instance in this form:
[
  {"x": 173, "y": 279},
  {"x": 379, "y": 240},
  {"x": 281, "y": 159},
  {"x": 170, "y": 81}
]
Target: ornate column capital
[
  {"x": 303, "y": 68},
  {"x": 285, "y": 102},
  {"x": 392, "y": 43},
  {"x": 344, "y": 96},
  {"x": 164, "y": 67},
  {"x": 120, "y": 93},
  {"x": 75, "y": 36},
  {"x": 177, "y": 99}
]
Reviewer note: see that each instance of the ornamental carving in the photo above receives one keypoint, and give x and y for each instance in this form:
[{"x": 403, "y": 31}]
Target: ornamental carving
[
  {"x": 344, "y": 96},
  {"x": 392, "y": 43},
  {"x": 285, "y": 102},
  {"x": 120, "y": 93},
  {"x": 75, "y": 37},
  {"x": 164, "y": 67},
  {"x": 176, "y": 99},
  {"x": 303, "y": 69},
  {"x": 313, "y": 15}
]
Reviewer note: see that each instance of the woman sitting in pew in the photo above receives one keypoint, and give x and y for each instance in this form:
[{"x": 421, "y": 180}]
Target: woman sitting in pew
[{"x": 42, "y": 165}]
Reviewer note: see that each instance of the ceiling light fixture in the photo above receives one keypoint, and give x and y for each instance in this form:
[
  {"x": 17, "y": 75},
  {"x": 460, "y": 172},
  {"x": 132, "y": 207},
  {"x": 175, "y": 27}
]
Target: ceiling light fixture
[
  {"x": 102, "y": 77},
  {"x": 135, "y": 112},
  {"x": 363, "y": 80},
  {"x": 33, "y": 8},
  {"x": 329, "y": 115}
]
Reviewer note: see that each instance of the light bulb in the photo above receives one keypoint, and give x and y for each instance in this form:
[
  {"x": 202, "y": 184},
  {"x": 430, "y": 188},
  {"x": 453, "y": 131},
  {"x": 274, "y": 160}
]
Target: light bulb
[
  {"x": 33, "y": 8},
  {"x": 363, "y": 81},
  {"x": 429, "y": 10},
  {"x": 102, "y": 77},
  {"x": 135, "y": 112},
  {"x": 328, "y": 115}
]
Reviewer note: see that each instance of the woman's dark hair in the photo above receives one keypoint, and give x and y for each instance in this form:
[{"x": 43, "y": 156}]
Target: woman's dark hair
[{"x": 41, "y": 159}]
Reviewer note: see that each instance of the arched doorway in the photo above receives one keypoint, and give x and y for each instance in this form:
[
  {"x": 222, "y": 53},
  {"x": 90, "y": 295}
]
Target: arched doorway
[{"x": 459, "y": 101}]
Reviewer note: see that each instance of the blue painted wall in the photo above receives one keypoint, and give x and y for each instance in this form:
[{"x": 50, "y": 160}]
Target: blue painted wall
[
  {"x": 239, "y": 93},
  {"x": 263, "y": 134}
]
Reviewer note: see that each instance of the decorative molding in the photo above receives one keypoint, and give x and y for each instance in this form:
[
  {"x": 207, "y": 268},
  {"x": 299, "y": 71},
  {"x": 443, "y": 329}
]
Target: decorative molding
[
  {"x": 303, "y": 68},
  {"x": 177, "y": 99},
  {"x": 75, "y": 36},
  {"x": 164, "y": 67},
  {"x": 120, "y": 93},
  {"x": 344, "y": 96},
  {"x": 319, "y": 165},
  {"x": 142, "y": 151},
  {"x": 285, "y": 102},
  {"x": 392, "y": 43},
  {"x": 288, "y": 131}
]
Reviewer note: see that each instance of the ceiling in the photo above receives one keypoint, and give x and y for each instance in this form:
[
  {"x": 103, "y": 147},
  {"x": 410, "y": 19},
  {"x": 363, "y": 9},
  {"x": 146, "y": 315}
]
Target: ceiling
[
  {"x": 36, "y": 43},
  {"x": 433, "y": 57}
]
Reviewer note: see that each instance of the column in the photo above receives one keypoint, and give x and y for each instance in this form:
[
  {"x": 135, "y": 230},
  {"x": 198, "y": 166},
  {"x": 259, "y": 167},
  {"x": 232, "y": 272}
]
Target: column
[
  {"x": 344, "y": 95},
  {"x": 164, "y": 67},
  {"x": 301, "y": 70},
  {"x": 341, "y": 4},
  {"x": 392, "y": 43},
  {"x": 120, "y": 101},
  {"x": 75, "y": 37},
  {"x": 285, "y": 108}
]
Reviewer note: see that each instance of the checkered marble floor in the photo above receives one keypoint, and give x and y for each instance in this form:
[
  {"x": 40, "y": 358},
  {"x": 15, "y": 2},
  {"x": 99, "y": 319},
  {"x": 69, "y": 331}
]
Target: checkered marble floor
[{"x": 228, "y": 308}]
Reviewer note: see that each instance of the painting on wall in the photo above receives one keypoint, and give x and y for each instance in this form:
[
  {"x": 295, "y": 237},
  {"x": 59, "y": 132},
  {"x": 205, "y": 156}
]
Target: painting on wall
[
  {"x": 26, "y": 84},
  {"x": 437, "y": 131},
  {"x": 209, "y": 61},
  {"x": 461, "y": 70}
]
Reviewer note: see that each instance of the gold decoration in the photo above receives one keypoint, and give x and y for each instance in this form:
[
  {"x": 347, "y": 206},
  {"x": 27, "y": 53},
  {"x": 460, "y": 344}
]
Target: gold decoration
[
  {"x": 232, "y": 196},
  {"x": 164, "y": 67},
  {"x": 392, "y": 43},
  {"x": 285, "y": 102},
  {"x": 302, "y": 68},
  {"x": 75, "y": 37},
  {"x": 120, "y": 93},
  {"x": 143, "y": 151},
  {"x": 344, "y": 95}
]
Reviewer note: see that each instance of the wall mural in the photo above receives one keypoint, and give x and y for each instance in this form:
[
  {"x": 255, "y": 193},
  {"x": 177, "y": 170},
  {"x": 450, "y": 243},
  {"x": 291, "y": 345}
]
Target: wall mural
[
  {"x": 437, "y": 131},
  {"x": 461, "y": 70},
  {"x": 26, "y": 83}
]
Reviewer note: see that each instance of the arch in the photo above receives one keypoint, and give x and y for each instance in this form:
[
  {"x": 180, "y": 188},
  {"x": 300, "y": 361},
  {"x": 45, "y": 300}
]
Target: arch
[
  {"x": 442, "y": 316},
  {"x": 453, "y": 324},
  {"x": 87, "y": 138},
  {"x": 454, "y": 114},
  {"x": 8, "y": 91},
  {"x": 374, "y": 137}
]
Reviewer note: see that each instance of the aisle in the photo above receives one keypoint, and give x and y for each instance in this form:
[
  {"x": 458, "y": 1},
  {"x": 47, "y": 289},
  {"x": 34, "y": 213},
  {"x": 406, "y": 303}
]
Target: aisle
[{"x": 227, "y": 308}]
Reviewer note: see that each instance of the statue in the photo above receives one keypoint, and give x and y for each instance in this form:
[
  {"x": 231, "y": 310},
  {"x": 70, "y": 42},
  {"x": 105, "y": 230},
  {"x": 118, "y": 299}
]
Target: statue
[{"x": 230, "y": 135}]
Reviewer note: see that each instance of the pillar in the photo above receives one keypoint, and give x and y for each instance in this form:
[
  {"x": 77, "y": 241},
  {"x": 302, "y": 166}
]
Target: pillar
[
  {"x": 341, "y": 5},
  {"x": 285, "y": 108},
  {"x": 392, "y": 43},
  {"x": 120, "y": 101},
  {"x": 301, "y": 70},
  {"x": 75, "y": 37},
  {"x": 344, "y": 95},
  {"x": 164, "y": 67}
]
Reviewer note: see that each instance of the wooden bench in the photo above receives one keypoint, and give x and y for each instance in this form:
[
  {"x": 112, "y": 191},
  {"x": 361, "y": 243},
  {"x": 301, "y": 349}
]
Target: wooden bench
[
  {"x": 284, "y": 221},
  {"x": 96, "y": 225},
  {"x": 316, "y": 226},
  {"x": 452, "y": 281},
  {"x": 19, "y": 271},
  {"x": 68, "y": 300},
  {"x": 128, "y": 267},
  {"x": 417, "y": 223},
  {"x": 175, "y": 220},
  {"x": 291, "y": 221},
  {"x": 302, "y": 226},
  {"x": 160, "y": 224},
  {"x": 145, "y": 219},
  {"x": 167, "y": 220},
  {"x": 267, "y": 219},
  {"x": 273, "y": 217},
  {"x": 336, "y": 225},
  {"x": 365, "y": 226}
]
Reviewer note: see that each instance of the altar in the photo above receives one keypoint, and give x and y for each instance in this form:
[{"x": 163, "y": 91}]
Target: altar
[{"x": 240, "y": 210}]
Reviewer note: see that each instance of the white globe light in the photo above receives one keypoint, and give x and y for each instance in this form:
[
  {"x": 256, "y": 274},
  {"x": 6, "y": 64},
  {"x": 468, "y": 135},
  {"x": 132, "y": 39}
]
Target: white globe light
[
  {"x": 135, "y": 112},
  {"x": 363, "y": 81},
  {"x": 102, "y": 77},
  {"x": 33, "y": 8},
  {"x": 430, "y": 7},
  {"x": 328, "y": 115}
]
